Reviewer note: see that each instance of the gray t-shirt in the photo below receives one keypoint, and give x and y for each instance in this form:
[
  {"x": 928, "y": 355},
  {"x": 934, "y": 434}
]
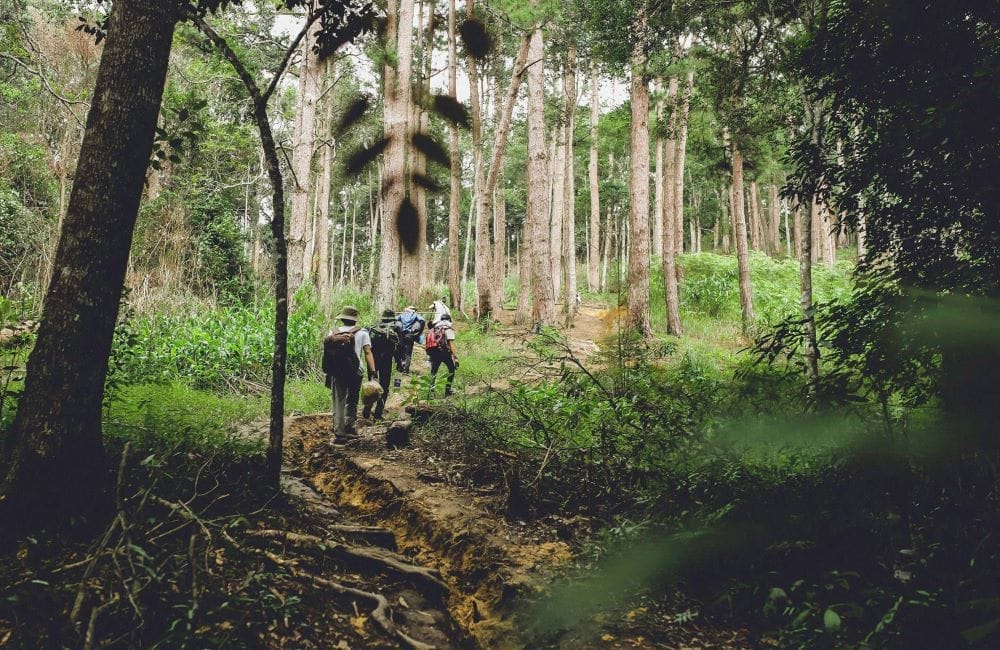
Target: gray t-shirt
[{"x": 361, "y": 339}]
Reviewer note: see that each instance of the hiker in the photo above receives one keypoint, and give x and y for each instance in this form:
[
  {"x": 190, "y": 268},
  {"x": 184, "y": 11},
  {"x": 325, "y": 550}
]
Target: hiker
[
  {"x": 411, "y": 326},
  {"x": 440, "y": 308},
  {"x": 347, "y": 351},
  {"x": 385, "y": 344},
  {"x": 440, "y": 347}
]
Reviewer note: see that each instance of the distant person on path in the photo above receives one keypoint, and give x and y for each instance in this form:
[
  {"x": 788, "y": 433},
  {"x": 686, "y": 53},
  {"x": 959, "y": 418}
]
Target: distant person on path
[
  {"x": 347, "y": 351},
  {"x": 385, "y": 345},
  {"x": 440, "y": 308},
  {"x": 440, "y": 347},
  {"x": 411, "y": 326}
]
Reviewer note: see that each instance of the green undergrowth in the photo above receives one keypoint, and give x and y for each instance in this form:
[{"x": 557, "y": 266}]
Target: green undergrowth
[{"x": 806, "y": 523}]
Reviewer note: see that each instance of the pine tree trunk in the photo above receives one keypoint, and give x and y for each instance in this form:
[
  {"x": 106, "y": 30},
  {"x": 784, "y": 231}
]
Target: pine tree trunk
[
  {"x": 660, "y": 178},
  {"x": 569, "y": 189},
  {"x": 543, "y": 309},
  {"x": 608, "y": 223},
  {"x": 671, "y": 295},
  {"x": 496, "y": 165},
  {"x": 805, "y": 237},
  {"x": 594, "y": 234},
  {"x": 670, "y": 162},
  {"x": 310, "y": 76},
  {"x": 455, "y": 192},
  {"x": 523, "y": 314},
  {"x": 638, "y": 263},
  {"x": 53, "y": 456},
  {"x": 774, "y": 223},
  {"x": 397, "y": 109},
  {"x": 680, "y": 158},
  {"x": 740, "y": 234},
  {"x": 558, "y": 211},
  {"x": 756, "y": 229},
  {"x": 323, "y": 213},
  {"x": 484, "y": 251}
]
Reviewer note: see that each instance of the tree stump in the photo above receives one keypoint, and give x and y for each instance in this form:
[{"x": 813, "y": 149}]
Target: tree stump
[{"x": 397, "y": 435}]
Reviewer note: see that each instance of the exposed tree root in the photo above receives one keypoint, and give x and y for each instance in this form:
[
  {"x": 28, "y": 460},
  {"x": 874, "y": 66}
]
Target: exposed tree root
[
  {"x": 380, "y": 558},
  {"x": 380, "y": 614}
]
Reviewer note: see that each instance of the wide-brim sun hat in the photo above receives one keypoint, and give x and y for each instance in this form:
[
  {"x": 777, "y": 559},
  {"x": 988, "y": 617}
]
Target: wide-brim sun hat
[
  {"x": 349, "y": 313},
  {"x": 388, "y": 315}
]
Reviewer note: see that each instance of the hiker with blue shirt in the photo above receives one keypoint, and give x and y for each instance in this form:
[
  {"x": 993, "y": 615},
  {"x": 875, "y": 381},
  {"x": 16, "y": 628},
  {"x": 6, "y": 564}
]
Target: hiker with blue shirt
[{"x": 411, "y": 326}]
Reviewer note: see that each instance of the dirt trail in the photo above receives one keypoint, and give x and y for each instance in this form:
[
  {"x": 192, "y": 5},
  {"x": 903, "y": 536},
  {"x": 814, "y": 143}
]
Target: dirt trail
[{"x": 486, "y": 560}]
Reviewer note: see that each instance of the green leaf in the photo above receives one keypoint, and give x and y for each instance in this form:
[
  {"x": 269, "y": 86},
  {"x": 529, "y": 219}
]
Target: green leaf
[{"x": 831, "y": 620}]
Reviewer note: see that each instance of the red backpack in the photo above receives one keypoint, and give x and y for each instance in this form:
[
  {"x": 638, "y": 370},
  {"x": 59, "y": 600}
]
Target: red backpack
[{"x": 437, "y": 339}]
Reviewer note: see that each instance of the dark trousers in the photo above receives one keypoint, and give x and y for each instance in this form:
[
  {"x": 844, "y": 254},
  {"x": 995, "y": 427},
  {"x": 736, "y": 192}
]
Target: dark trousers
[
  {"x": 384, "y": 369},
  {"x": 437, "y": 358},
  {"x": 405, "y": 353}
]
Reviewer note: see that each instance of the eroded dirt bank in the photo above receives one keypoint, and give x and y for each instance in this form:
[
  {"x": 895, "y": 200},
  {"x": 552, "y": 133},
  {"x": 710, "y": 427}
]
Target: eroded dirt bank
[{"x": 486, "y": 560}]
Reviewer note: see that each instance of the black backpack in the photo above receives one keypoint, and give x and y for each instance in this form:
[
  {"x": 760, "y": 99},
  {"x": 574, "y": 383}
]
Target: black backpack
[
  {"x": 339, "y": 357},
  {"x": 385, "y": 340}
]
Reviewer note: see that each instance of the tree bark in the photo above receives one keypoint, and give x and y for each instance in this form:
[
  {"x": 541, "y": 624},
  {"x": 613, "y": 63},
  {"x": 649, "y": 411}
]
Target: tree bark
[
  {"x": 608, "y": 223},
  {"x": 455, "y": 192},
  {"x": 638, "y": 263},
  {"x": 660, "y": 178},
  {"x": 756, "y": 231},
  {"x": 558, "y": 171},
  {"x": 740, "y": 235},
  {"x": 53, "y": 455},
  {"x": 484, "y": 251},
  {"x": 774, "y": 223},
  {"x": 569, "y": 189},
  {"x": 303, "y": 144},
  {"x": 543, "y": 309},
  {"x": 671, "y": 295},
  {"x": 397, "y": 109},
  {"x": 496, "y": 162},
  {"x": 593, "y": 242},
  {"x": 805, "y": 237},
  {"x": 670, "y": 163},
  {"x": 679, "y": 160},
  {"x": 323, "y": 214}
]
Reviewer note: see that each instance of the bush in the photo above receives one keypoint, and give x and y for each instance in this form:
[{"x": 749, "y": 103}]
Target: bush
[{"x": 218, "y": 348}]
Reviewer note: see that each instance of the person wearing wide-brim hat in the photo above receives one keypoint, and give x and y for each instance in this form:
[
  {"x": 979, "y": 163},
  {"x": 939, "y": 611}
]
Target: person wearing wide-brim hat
[
  {"x": 347, "y": 351},
  {"x": 385, "y": 345}
]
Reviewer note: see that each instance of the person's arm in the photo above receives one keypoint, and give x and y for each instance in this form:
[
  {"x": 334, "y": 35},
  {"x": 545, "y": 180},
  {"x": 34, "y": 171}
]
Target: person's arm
[
  {"x": 370, "y": 361},
  {"x": 454, "y": 352}
]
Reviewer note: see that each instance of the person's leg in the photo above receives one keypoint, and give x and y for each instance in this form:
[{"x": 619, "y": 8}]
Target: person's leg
[
  {"x": 339, "y": 403},
  {"x": 447, "y": 360},
  {"x": 384, "y": 369},
  {"x": 353, "y": 393},
  {"x": 407, "y": 354},
  {"x": 435, "y": 364}
]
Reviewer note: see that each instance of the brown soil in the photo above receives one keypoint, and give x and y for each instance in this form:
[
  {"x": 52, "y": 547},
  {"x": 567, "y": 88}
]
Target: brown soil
[{"x": 491, "y": 563}]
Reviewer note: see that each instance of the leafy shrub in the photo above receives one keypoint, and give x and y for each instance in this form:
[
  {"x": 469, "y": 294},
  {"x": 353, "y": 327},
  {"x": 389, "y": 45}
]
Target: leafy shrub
[{"x": 219, "y": 348}]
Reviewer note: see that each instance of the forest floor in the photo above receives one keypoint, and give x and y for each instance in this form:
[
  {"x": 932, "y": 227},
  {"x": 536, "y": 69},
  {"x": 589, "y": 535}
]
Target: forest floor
[
  {"x": 368, "y": 547},
  {"x": 493, "y": 561}
]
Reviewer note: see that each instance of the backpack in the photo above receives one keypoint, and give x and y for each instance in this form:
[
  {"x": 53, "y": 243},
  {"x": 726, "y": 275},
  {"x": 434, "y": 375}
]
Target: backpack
[
  {"x": 412, "y": 323},
  {"x": 437, "y": 339},
  {"x": 339, "y": 357},
  {"x": 385, "y": 340}
]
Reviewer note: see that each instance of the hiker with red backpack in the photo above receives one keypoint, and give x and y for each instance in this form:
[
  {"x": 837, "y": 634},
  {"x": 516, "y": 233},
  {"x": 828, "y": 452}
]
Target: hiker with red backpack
[
  {"x": 347, "y": 351},
  {"x": 440, "y": 346},
  {"x": 386, "y": 340}
]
